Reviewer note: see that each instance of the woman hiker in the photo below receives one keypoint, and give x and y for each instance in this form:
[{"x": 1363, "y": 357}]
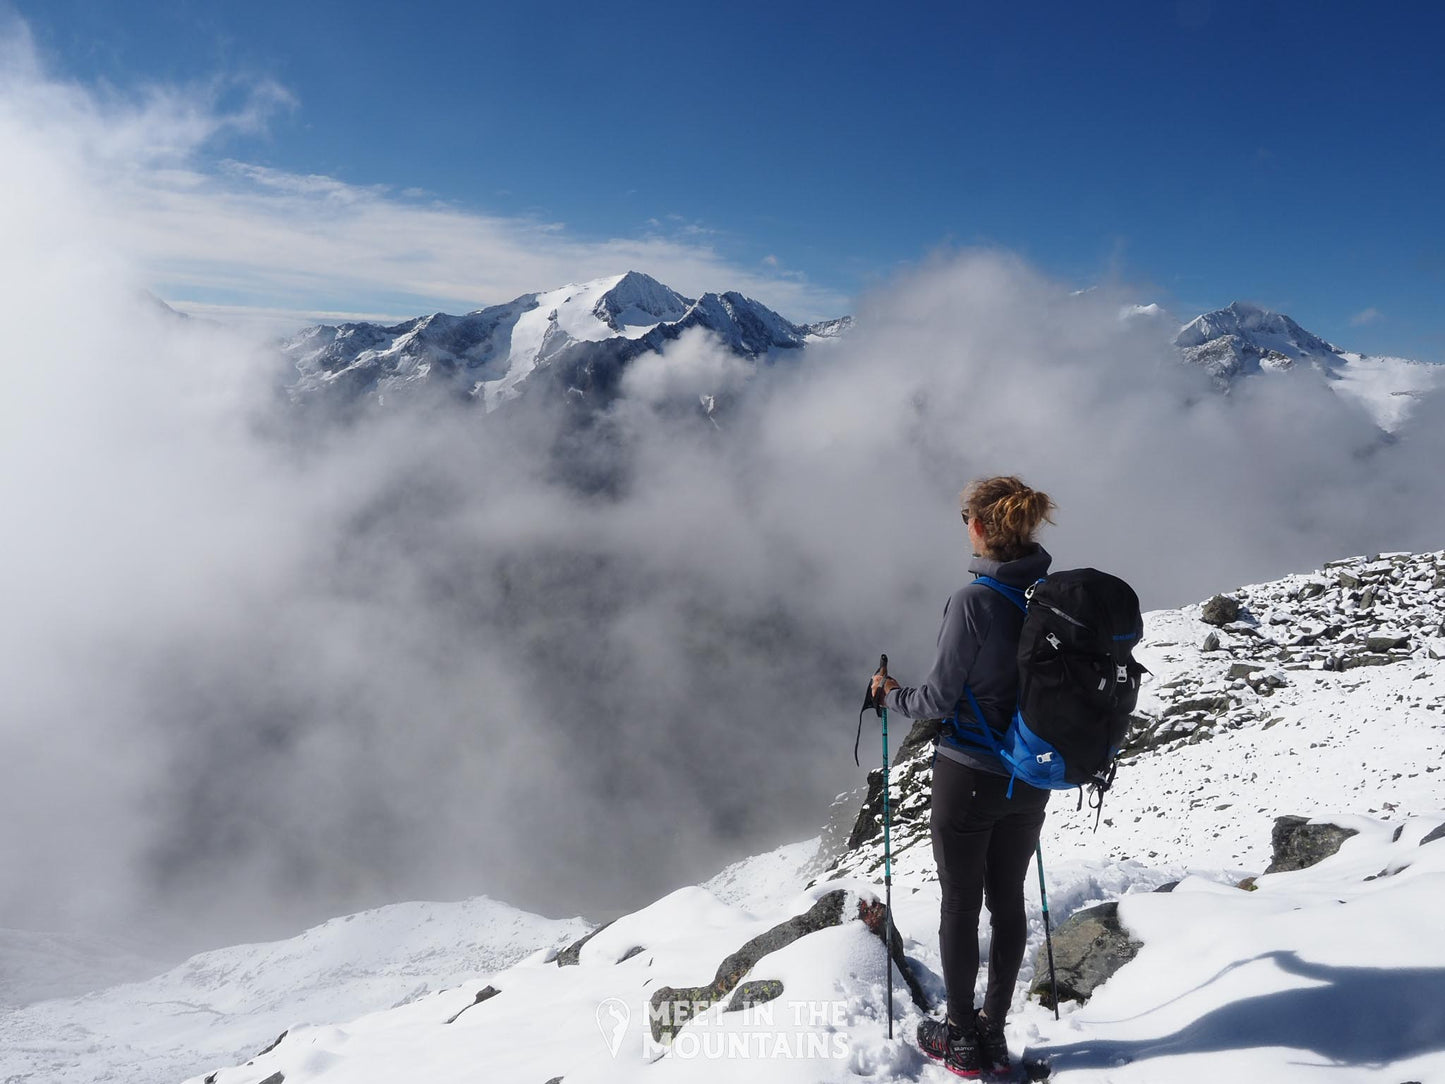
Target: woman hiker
[{"x": 982, "y": 839}]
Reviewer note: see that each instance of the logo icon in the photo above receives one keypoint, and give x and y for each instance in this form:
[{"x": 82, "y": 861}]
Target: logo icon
[{"x": 613, "y": 1016}]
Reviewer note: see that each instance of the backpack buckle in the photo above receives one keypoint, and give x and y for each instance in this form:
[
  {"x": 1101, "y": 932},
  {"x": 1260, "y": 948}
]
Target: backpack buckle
[{"x": 1044, "y": 758}]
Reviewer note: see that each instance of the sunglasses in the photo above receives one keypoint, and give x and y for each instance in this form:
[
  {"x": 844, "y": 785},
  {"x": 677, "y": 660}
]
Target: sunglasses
[{"x": 964, "y": 514}]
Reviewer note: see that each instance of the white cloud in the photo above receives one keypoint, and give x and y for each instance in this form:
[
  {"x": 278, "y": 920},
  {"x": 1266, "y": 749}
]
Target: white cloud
[
  {"x": 1366, "y": 316},
  {"x": 239, "y": 235}
]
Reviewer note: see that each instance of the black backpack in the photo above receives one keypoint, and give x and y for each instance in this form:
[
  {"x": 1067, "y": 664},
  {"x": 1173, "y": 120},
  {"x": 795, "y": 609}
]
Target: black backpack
[{"x": 1078, "y": 681}]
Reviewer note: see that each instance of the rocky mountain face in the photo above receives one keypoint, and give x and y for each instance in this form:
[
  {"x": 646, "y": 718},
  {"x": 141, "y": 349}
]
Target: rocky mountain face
[{"x": 577, "y": 339}]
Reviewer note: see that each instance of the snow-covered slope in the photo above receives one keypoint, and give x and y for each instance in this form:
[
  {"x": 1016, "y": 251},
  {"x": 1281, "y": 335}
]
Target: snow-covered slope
[
  {"x": 226, "y": 1005},
  {"x": 1244, "y": 339},
  {"x": 582, "y": 334},
  {"x": 1324, "y": 696}
]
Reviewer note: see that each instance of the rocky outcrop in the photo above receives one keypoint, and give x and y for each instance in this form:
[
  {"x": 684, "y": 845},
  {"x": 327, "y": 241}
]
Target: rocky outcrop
[
  {"x": 1382, "y": 610},
  {"x": 672, "y": 1006},
  {"x": 1298, "y": 844},
  {"x": 1088, "y": 949}
]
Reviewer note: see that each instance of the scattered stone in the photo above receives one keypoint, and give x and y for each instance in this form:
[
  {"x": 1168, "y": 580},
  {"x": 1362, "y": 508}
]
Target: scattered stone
[
  {"x": 1211, "y": 642},
  {"x": 1298, "y": 844},
  {"x": 1348, "y": 579},
  {"x": 1220, "y": 610},
  {"x": 1088, "y": 949},
  {"x": 633, "y": 951},
  {"x": 1244, "y": 669},
  {"x": 1438, "y": 832},
  {"x": 275, "y": 1078},
  {"x": 1248, "y": 884}
]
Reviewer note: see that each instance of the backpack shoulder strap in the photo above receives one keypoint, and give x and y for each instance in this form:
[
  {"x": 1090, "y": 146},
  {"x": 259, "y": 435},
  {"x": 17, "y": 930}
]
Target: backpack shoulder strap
[{"x": 1013, "y": 594}]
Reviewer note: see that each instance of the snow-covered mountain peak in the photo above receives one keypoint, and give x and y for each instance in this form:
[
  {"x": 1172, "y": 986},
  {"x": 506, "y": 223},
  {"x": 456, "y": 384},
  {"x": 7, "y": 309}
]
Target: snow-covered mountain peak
[
  {"x": 1245, "y": 339},
  {"x": 635, "y": 299},
  {"x": 1259, "y": 327},
  {"x": 579, "y": 336}
]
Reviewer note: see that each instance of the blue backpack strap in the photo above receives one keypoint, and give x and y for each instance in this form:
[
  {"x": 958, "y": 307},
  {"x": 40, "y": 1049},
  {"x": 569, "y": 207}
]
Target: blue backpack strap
[
  {"x": 989, "y": 740},
  {"x": 1013, "y": 594}
]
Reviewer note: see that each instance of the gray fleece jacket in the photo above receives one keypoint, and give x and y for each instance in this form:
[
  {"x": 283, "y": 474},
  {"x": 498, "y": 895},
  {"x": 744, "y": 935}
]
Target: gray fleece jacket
[{"x": 977, "y": 647}]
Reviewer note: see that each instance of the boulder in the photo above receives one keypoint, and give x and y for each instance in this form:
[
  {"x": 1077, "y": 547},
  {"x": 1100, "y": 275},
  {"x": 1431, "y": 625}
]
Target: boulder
[
  {"x": 1298, "y": 844},
  {"x": 1088, "y": 949},
  {"x": 1438, "y": 832},
  {"x": 1220, "y": 610}
]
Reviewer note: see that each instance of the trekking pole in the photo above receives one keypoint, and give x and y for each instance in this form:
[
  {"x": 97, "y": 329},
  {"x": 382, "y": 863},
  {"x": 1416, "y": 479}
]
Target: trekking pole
[
  {"x": 876, "y": 703},
  {"x": 1048, "y": 937}
]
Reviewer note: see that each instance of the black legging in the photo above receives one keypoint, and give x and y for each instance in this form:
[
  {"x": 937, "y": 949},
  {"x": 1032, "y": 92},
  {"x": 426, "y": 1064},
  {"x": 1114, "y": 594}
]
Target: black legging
[{"x": 982, "y": 843}]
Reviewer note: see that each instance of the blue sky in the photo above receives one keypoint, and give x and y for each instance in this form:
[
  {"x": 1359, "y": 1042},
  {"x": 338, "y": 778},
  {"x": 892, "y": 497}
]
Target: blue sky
[{"x": 1289, "y": 154}]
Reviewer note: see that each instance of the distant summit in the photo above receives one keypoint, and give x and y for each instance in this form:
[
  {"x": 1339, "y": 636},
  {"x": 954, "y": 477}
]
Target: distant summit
[
  {"x": 577, "y": 338},
  {"x": 1246, "y": 338},
  {"x": 1242, "y": 340}
]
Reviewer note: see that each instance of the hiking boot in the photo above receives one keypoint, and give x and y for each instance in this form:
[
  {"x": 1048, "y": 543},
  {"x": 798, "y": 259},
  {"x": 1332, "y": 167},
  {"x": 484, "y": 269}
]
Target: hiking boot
[
  {"x": 956, "y": 1047},
  {"x": 992, "y": 1046}
]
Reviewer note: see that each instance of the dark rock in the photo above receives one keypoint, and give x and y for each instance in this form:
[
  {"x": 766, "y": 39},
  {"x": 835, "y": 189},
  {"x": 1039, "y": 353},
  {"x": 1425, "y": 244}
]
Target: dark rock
[
  {"x": 633, "y": 951},
  {"x": 1354, "y": 662},
  {"x": 570, "y": 955},
  {"x": 555, "y": 1080},
  {"x": 275, "y": 1078},
  {"x": 1386, "y": 643},
  {"x": 1249, "y": 884},
  {"x": 486, "y": 993},
  {"x": 754, "y": 992},
  {"x": 1310, "y": 590},
  {"x": 1438, "y": 832},
  {"x": 1211, "y": 642},
  {"x": 873, "y": 915},
  {"x": 274, "y": 1043},
  {"x": 1220, "y": 610},
  {"x": 1169, "y": 887},
  {"x": 1244, "y": 669},
  {"x": 1297, "y": 844},
  {"x": 1088, "y": 949},
  {"x": 1348, "y": 579}
]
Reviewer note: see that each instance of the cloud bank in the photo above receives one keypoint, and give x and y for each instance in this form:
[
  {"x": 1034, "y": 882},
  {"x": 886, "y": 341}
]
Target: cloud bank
[
  {"x": 244, "y": 242},
  {"x": 258, "y": 675}
]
